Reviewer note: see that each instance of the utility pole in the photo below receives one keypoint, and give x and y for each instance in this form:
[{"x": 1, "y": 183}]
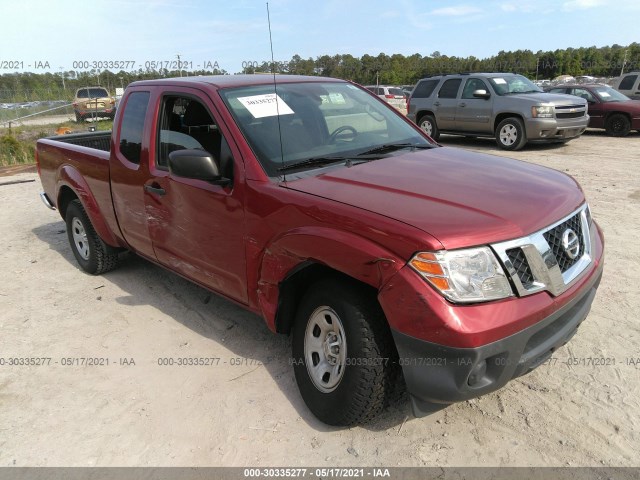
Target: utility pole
[
  {"x": 179, "y": 64},
  {"x": 537, "y": 63},
  {"x": 624, "y": 62},
  {"x": 62, "y": 75}
]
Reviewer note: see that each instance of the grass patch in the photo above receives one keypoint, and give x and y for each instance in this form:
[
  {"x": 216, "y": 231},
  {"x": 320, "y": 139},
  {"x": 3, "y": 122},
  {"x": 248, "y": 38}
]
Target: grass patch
[{"x": 18, "y": 145}]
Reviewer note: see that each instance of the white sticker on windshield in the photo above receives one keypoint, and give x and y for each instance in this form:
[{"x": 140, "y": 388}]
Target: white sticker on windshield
[
  {"x": 604, "y": 94},
  {"x": 268, "y": 105},
  {"x": 500, "y": 81}
]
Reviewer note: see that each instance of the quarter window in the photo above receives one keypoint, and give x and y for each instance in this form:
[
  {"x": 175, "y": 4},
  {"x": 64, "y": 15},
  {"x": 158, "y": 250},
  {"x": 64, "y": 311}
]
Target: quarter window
[
  {"x": 133, "y": 125},
  {"x": 425, "y": 89}
]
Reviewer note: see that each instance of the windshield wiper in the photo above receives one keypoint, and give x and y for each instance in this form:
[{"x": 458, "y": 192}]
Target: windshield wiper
[
  {"x": 389, "y": 147},
  {"x": 312, "y": 162}
]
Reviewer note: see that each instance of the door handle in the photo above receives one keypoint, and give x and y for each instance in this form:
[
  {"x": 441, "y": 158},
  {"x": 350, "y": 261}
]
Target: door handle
[
  {"x": 462, "y": 104},
  {"x": 437, "y": 104},
  {"x": 157, "y": 190}
]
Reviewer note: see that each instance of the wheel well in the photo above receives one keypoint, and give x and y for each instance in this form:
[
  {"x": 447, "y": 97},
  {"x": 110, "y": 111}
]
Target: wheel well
[
  {"x": 294, "y": 286},
  {"x": 610, "y": 114},
  {"x": 500, "y": 117},
  {"x": 421, "y": 114},
  {"x": 65, "y": 196}
]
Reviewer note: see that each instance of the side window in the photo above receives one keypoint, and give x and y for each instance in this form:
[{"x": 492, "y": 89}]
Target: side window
[
  {"x": 628, "y": 82},
  {"x": 186, "y": 124},
  {"x": 450, "y": 88},
  {"x": 425, "y": 89},
  {"x": 132, "y": 126},
  {"x": 558, "y": 90},
  {"x": 471, "y": 86},
  {"x": 581, "y": 92}
]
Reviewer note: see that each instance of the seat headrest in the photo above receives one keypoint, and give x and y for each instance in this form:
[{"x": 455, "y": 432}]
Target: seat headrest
[{"x": 196, "y": 115}]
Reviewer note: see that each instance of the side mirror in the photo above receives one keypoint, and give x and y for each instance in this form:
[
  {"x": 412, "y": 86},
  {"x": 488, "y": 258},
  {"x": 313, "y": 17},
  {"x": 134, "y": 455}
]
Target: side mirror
[
  {"x": 481, "y": 94},
  {"x": 196, "y": 164}
]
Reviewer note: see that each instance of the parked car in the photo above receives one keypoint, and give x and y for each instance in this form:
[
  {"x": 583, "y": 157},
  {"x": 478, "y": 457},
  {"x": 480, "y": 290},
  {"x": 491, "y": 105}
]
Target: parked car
[
  {"x": 93, "y": 102},
  {"x": 608, "y": 108},
  {"x": 394, "y": 96},
  {"x": 341, "y": 223},
  {"x": 628, "y": 84},
  {"x": 505, "y": 106}
]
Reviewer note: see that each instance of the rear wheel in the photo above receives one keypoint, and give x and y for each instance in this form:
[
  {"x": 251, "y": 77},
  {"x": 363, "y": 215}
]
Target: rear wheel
[
  {"x": 88, "y": 248},
  {"x": 510, "y": 134},
  {"x": 345, "y": 361},
  {"x": 618, "y": 125},
  {"x": 79, "y": 118},
  {"x": 428, "y": 124}
]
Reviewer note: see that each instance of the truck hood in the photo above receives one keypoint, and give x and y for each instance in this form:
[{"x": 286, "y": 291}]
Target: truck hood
[
  {"x": 461, "y": 198},
  {"x": 555, "y": 98}
]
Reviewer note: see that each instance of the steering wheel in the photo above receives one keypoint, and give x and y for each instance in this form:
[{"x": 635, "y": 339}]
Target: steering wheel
[{"x": 345, "y": 128}]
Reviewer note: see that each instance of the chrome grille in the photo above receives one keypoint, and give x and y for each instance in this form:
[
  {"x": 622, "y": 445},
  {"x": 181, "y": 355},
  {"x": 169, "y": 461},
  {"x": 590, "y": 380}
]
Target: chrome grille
[
  {"x": 540, "y": 261},
  {"x": 521, "y": 266},
  {"x": 554, "y": 239}
]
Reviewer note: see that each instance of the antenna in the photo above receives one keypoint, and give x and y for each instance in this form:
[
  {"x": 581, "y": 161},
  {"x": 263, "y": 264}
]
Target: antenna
[{"x": 275, "y": 89}]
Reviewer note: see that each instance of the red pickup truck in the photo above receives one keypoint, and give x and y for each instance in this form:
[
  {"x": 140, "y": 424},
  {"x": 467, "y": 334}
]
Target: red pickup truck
[{"x": 314, "y": 204}]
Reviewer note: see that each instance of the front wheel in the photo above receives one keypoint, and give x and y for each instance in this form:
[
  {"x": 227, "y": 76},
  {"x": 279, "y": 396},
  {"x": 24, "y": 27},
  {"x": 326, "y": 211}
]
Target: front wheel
[
  {"x": 618, "y": 125},
  {"x": 88, "y": 248},
  {"x": 510, "y": 134},
  {"x": 344, "y": 357}
]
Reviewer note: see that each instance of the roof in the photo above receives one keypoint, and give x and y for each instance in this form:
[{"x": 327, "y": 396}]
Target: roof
[{"x": 227, "y": 81}]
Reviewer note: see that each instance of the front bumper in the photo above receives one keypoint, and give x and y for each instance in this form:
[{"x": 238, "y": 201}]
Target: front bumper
[
  {"x": 438, "y": 374},
  {"x": 549, "y": 129}
]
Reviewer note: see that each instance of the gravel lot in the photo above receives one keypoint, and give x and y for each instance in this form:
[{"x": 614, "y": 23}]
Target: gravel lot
[{"x": 246, "y": 410}]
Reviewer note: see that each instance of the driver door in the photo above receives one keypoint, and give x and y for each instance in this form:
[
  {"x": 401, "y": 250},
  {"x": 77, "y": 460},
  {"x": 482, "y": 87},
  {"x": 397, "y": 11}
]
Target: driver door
[{"x": 196, "y": 227}]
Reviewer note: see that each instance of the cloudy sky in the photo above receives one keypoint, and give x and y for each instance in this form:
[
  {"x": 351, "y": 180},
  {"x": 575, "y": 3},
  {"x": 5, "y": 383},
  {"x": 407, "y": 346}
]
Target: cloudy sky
[{"x": 236, "y": 31}]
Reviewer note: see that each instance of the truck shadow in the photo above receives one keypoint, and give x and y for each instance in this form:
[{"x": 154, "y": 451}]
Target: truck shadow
[
  {"x": 488, "y": 145},
  {"x": 215, "y": 318}
]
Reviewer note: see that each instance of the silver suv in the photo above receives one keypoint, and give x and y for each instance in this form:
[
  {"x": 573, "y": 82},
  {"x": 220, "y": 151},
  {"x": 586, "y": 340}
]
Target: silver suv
[{"x": 505, "y": 106}]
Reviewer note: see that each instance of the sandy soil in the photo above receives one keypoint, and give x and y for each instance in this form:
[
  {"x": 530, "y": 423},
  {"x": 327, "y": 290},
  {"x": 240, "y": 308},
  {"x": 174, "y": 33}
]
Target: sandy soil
[{"x": 246, "y": 410}]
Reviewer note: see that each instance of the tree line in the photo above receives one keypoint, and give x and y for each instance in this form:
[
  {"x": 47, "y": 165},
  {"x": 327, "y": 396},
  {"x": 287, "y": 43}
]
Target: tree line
[{"x": 393, "y": 69}]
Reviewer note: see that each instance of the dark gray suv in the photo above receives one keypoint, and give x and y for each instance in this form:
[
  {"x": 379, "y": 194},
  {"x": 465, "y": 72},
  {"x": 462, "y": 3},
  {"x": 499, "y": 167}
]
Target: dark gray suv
[{"x": 505, "y": 106}]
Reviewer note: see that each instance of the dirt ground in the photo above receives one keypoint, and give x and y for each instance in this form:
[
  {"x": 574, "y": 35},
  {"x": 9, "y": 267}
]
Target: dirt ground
[{"x": 245, "y": 409}]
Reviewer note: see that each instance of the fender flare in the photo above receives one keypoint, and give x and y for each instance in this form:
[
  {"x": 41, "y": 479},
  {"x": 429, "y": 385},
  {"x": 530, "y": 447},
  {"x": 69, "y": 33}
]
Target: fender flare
[
  {"x": 344, "y": 252},
  {"x": 69, "y": 176}
]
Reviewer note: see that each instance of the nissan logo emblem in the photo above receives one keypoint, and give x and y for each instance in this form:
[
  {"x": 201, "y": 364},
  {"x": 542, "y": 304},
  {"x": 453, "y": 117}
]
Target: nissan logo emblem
[{"x": 570, "y": 243}]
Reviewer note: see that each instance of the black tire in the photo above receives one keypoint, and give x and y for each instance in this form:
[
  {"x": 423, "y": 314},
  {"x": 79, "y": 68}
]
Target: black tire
[
  {"x": 510, "y": 134},
  {"x": 88, "y": 248},
  {"x": 79, "y": 118},
  {"x": 370, "y": 373},
  {"x": 428, "y": 125},
  {"x": 618, "y": 125}
]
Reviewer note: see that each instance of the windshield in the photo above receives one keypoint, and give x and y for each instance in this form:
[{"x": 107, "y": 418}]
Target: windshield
[
  {"x": 510, "y": 84},
  {"x": 92, "y": 93},
  {"x": 608, "y": 94},
  {"x": 319, "y": 120}
]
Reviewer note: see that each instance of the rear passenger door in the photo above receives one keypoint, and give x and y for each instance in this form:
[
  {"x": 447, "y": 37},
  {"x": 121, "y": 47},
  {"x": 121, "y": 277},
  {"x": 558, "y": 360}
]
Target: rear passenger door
[
  {"x": 446, "y": 103},
  {"x": 474, "y": 114},
  {"x": 197, "y": 228}
]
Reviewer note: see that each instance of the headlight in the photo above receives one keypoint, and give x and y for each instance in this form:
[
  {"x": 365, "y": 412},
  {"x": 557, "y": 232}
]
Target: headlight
[
  {"x": 463, "y": 276},
  {"x": 542, "y": 111}
]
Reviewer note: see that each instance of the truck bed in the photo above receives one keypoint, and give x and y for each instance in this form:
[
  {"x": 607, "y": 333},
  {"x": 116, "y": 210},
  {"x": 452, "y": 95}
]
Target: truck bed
[
  {"x": 96, "y": 140},
  {"x": 81, "y": 162}
]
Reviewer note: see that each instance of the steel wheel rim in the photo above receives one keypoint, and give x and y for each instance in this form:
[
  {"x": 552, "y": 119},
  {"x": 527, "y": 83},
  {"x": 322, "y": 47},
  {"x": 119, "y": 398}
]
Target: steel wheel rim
[
  {"x": 427, "y": 127},
  {"x": 80, "y": 238},
  {"x": 325, "y": 349},
  {"x": 508, "y": 134}
]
